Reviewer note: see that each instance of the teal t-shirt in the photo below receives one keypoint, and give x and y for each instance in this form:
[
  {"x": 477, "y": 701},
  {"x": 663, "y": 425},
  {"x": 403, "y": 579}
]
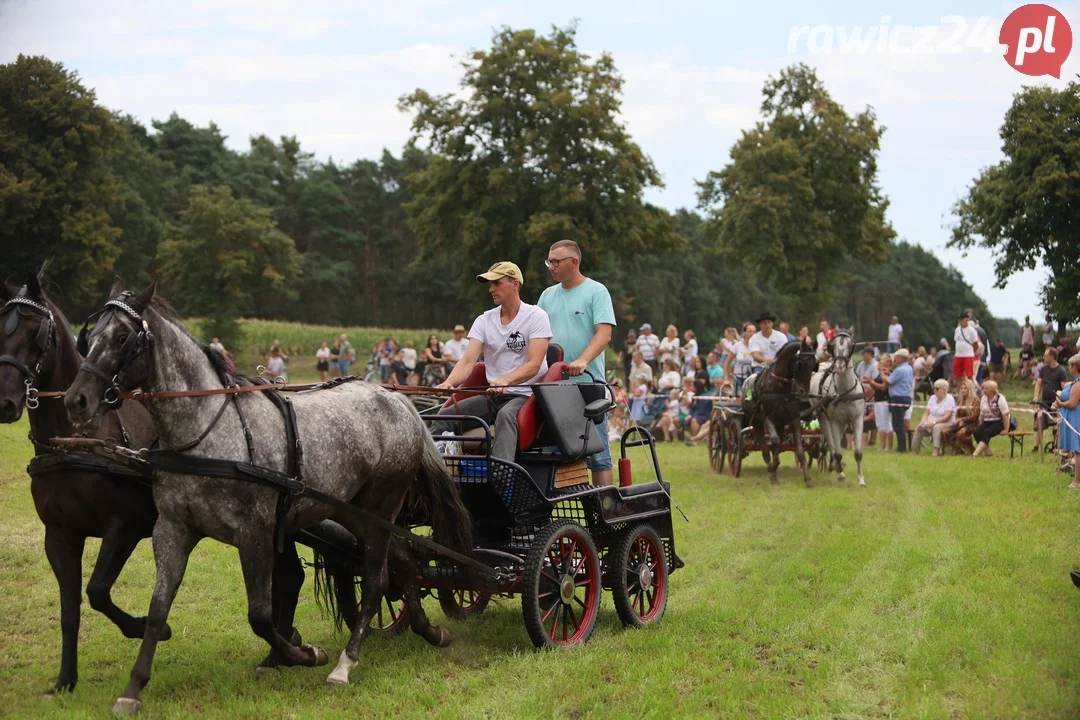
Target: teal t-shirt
[{"x": 574, "y": 315}]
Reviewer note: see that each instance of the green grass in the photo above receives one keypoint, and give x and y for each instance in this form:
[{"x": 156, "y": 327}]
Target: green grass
[{"x": 939, "y": 591}]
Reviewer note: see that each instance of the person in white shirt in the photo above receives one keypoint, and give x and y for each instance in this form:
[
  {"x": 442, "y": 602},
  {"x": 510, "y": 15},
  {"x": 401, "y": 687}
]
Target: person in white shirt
[
  {"x": 940, "y": 414},
  {"x": 965, "y": 342},
  {"x": 513, "y": 337},
  {"x": 690, "y": 349},
  {"x": 649, "y": 345},
  {"x": 453, "y": 350},
  {"x": 823, "y": 341},
  {"x": 408, "y": 358},
  {"x": 740, "y": 362},
  {"x": 766, "y": 342},
  {"x": 670, "y": 379},
  {"x": 669, "y": 346},
  {"x": 895, "y": 334}
]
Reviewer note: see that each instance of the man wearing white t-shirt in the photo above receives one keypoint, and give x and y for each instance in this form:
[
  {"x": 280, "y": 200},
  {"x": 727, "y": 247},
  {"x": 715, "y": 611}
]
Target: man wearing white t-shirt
[
  {"x": 454, "y": 350},
  {"x": 895, "y": 334},
  {"x": 766, "y": 342},
  {"x": 823, "y": 341},
  {"x": 513, "y": 337}
]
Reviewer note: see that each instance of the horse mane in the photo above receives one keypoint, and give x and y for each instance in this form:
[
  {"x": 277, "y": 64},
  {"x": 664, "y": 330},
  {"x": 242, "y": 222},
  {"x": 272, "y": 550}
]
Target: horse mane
[{"x": 221, "y": 368}]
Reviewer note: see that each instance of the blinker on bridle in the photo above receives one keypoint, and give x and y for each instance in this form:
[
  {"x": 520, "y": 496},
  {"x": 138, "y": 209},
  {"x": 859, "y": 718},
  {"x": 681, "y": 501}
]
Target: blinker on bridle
[
  {"x": 43, "y": 340},
  {"x": 134, "y": 346}
]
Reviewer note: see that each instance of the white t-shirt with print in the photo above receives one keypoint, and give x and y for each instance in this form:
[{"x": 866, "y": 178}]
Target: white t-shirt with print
[
  {"x": 767, "y": 346},
  {"x": 994, "y": 410},
  {"x": 743, "y": 360},
  {"x": 506, "y": 347},
  {"x": 408, "y": 358},
  {"x": 822, "y": 345},
  {"x": 895, "y": 330}
]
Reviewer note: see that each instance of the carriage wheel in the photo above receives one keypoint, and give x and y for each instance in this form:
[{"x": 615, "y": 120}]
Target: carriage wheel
[
  {"x": 734, "y": 446},
  {"x": 392, "y": 617},
  {"x": 561, "y": 596},
  {"x": 463, "y": 604},
  {"x": 716, "y": 441},
  {"x": 639, "y": 585}
]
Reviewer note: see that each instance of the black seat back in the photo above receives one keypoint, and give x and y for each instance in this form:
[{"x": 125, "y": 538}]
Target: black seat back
[{"x": 563, "y": 407}]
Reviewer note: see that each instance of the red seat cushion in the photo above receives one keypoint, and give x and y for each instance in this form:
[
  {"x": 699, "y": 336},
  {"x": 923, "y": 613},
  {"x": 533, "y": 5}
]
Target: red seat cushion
[
  {"x": 477, "y": 379},
  {"x": 529, "y": 416}
]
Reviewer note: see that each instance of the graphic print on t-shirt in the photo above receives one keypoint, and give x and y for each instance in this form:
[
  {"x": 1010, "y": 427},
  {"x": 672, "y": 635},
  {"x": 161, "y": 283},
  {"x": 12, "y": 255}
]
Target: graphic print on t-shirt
[{"x": 516, "y": 341}]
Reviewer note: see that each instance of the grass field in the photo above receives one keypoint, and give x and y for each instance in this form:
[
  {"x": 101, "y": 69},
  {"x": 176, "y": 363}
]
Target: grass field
[{"x": 940, "y": 590}]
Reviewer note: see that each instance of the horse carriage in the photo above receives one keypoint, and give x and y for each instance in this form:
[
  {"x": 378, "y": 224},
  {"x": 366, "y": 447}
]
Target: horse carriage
[
  {"x": 546, "y": 533},
  {"x": 796, "y": 405},
  {"x": 361, "y": 496},
  {"x": 731, "y": 440}
]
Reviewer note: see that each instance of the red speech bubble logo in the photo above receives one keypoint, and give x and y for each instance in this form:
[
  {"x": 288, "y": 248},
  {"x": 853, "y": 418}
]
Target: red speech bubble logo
[{"x": 1038, "y": 40}]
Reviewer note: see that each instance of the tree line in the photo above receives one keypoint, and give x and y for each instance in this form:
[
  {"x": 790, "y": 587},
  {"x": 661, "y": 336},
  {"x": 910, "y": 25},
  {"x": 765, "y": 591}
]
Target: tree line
[{"x": 530, "y": 152}]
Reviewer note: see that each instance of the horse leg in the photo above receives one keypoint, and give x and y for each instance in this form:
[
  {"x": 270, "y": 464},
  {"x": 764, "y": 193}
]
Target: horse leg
[
  {"x": 257, "y": 560},
  {"x": 65, "y": 558},
  {"x": 285, "y": 594},
  {"x": 116, "y": 547},
  {"x": 801, "y": 454},
  {"x": 770, "y": 449},
  {"x": 858, "y": 447},
  {"x": 834, "y": 430},
  {"x": 373, "y": 587},
  {"x": 173, "y": 543},
  {"x": 405, "y": 572}
]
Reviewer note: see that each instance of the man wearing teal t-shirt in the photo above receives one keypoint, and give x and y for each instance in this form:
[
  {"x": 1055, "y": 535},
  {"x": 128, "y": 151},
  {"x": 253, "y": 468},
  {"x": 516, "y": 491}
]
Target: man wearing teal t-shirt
[{"x": 582, "y": 319}]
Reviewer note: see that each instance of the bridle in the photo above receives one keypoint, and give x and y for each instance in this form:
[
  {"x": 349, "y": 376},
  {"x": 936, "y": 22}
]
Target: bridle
[
  {"x": 135, "y": 345},
  {"x": 43, "y": 339}
]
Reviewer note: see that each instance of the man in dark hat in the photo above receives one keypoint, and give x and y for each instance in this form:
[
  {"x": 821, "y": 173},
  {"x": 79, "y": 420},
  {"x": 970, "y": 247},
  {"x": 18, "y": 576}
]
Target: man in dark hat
[{"x": 766, "y": 342}]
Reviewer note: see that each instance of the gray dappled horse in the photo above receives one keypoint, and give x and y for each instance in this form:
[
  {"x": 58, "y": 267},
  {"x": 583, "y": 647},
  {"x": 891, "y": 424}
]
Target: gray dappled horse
[
  {"x": 771, "y": 401},
  {"x": 37, "y": 353},
  {"x": 362, "y": 444},
  {"x": 838, "y": 396}
]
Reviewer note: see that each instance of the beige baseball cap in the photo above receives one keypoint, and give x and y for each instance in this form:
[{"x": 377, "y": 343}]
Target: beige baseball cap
[{"x": 503, "y": 269}]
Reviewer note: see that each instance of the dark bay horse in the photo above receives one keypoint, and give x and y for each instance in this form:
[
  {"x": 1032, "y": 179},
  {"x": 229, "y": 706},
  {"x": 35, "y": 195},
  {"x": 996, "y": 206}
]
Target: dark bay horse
[
  {"x": 361, "y": 444},
  {"x": 772, "y": 402},
  {"x": 37, "y": 353}
]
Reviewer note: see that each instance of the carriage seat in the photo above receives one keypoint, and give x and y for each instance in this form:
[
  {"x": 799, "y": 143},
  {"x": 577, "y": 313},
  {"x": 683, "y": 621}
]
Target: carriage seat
[{"x": 529, "y": 417}]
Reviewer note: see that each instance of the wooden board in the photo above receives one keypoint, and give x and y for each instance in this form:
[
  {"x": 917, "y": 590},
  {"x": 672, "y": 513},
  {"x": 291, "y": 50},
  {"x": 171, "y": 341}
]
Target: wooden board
[{"x": 569, "y": 475}]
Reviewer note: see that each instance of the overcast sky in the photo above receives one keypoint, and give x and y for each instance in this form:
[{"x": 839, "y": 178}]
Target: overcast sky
[{"x": 330, "y": 72}]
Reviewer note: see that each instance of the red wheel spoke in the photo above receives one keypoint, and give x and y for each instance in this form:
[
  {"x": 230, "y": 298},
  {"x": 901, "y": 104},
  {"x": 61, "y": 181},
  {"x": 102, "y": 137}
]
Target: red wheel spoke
[
  {"x": 570, "y": 614},
  {"x": 555, "y": 621},
  {"x": 549, "y": 577},
  {"x": 393, "y": 615},
  {"x": 547, "y": 594},
  {"x": 550, "y": 610},
  {"x": 579, "y": 602}
]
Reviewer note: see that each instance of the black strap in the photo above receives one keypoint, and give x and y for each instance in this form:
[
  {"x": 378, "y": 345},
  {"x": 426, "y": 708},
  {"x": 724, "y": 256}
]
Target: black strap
[
  {"x": 53, "y": 462},
  {"x": 14, "y": 362},
  {"x": 172, "y": 461}
]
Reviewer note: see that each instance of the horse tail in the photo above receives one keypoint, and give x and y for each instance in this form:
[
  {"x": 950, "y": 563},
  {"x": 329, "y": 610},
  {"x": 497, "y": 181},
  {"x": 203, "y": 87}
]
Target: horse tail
[
  {"x": 437, "y": 494},
  {"x": 334, "y": 589}
]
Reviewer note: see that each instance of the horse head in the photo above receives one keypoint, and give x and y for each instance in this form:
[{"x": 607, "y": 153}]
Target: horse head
[
  {"x": 27, "y": 344},
  {"x": 841, "y": 348},
  {"x": 118, "y": 355},
  {"x": 795, "y": 363}
]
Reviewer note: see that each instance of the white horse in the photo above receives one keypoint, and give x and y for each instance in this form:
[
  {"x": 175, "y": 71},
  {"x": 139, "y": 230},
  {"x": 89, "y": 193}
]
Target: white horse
[{"x": 838, "y": 397}]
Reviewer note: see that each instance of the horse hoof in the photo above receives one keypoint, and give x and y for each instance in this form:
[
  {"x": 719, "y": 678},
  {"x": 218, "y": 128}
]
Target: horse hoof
[
  {"x": 295, "y": 639},
  {"x": 262, "y": 671},
  {"x": 126, "y": 706},
  {"x": 862, "y": 483},
  {"x": 166, "y": 632},
  {"x": 841, "y": 477},
  {"x": 334, "y": 682},
  {"x": 774, "y": 481},
  {"x": 444, "y": 637},
  {"x": 319, "y": 655}
]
